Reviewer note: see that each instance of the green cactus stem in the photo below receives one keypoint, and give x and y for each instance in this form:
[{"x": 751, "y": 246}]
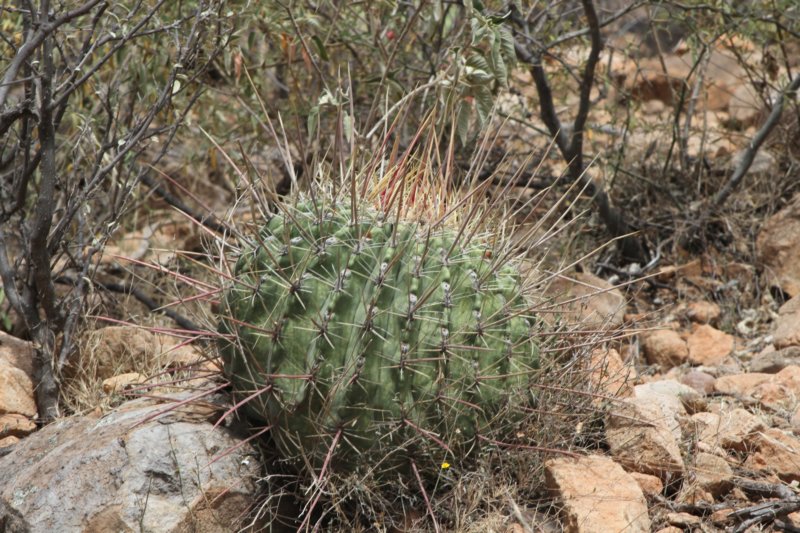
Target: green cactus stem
[{"x": 393, "y": 339}]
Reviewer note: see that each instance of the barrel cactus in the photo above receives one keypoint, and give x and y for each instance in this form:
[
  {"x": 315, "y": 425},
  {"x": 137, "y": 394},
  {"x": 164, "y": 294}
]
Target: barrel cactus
[{"x": 366, "y": 342}]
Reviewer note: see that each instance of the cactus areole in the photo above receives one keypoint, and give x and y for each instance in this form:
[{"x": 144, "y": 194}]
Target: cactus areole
[{"x": 366, "y": 344}]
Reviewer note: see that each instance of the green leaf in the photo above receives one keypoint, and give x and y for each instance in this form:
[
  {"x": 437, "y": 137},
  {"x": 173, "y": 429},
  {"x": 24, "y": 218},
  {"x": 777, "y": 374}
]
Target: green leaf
[
  {"x": 313, "y": 121},
  {"x": 462, "y": 122},
  {"x": 323, "y": 53},
  {"x": 478, "y": 62},
  {"x": 483, "y": 102},
  {"x": 347, "y": 124},
  {"x": 507, "y": 45}
]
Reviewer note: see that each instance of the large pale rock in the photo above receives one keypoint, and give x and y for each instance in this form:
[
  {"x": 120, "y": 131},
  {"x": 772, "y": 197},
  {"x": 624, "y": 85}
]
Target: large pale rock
[
  {"x": 10, "y": 519},
  {"x": 640, "y": 436},
  {"x": 776, "y": 453},
  {"x": 665, "y": 348},
  {"x": 733, "y": 429},
  {"x": 778, "y": 248},
  {"x": 131, "y": 471},
  {"x": 597, "y": 495},
  {"x": 16, "y": 391},
  {"x": 587, "y": 301},
  {"x": 17, "y": 352},
  {"x": 787, "y": 327},
  {"x": 669, "y": 395},
  {"x": 708, "y": 345}
]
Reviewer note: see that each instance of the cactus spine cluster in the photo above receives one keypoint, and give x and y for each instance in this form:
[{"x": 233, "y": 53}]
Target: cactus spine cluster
[{"x": 363, "y": 342}]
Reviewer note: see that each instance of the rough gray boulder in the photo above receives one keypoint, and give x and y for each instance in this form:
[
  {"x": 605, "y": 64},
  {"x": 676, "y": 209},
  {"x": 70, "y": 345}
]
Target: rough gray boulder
[{"x": 131, "y": 471}]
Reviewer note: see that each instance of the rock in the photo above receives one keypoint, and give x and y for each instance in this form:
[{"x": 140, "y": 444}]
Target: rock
[
  {"x": 122, "y": 349},
  {"x": 7, "y": 442},
  {"x": 732, "y": 429},
  {"x": 131, "y": 471},
  {"x": 776, "y": 453},
  {"x": 787, "y": 327},
  {"x": 691, "y": 269},
  {"x": 702, "y": 382},
  {"x": 665, "y": 348},
  {"x": 597, "y": 495},
  {"x": 16, "y": 391},
  {"x": 775, "y": 361},
  {"x": 778, "y": 248},
  {"x": 17, "y": 352},
  {"x": 684, "y": 520},
  {"x": 121, "y": 382},
  {"x": 746, "y": 106},
  {"x": 10, "y": 519},
  {"x": 641, "y": 438},
  {"x": 650, "y": 485},
  {"x": 670, "y": 529},
  {"x": 703, "y": 312},
  {"x": 669, "y": 395},
  {"x": 712, "y": 473},
  {"x": 609, "y": 375},
  {"x": 708, "y": 345},
  {"x": 588, "y": 300},
  {"x": 740, "y": 384},
  {"x": 781, "y": 390},
  {"x": 16, "y": 425}
]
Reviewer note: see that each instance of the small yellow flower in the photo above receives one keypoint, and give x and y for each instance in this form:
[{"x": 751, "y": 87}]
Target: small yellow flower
[{"x": 445, "y": 465}]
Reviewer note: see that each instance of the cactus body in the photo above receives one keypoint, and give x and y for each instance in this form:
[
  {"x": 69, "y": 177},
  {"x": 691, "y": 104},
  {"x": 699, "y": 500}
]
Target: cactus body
[{"x": 364, "y": 344}]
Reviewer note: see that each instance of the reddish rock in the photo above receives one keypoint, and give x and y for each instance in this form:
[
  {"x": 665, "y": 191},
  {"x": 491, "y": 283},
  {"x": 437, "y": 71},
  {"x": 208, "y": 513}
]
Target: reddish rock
[
  {"x": 122, "y": 349},
  {"x": 665, "y": 348},
  {"x": 787, "y": 327},
  {"x": 16, "y": 425},
  {"x": 703, "y": 312},
  {"x": 708, "y": 345},
  {"x": 11, "y": 440},
  {"x": 609, "y": 375},
  {"x": 781, "y": 390},
  {"x": 712, "y": 473},
  {"x": 650, "y": 485},
  {"x": 777, "y": 453},
  {"x": 578, "y": 483},
  {"x": 121, "y": 382},
  {"x": 778, "y": 248},
  {"x": 16, "y": 391},
  {"x": 741, "y": 384},
  {"x": 17, "y": 352},
  {"x": 640, "y": 437}
]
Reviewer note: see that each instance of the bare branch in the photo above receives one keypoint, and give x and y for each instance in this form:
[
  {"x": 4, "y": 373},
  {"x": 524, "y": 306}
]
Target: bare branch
[
  {"x": 755, "y": 144},
  {"x": 34, "y": 41}
]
